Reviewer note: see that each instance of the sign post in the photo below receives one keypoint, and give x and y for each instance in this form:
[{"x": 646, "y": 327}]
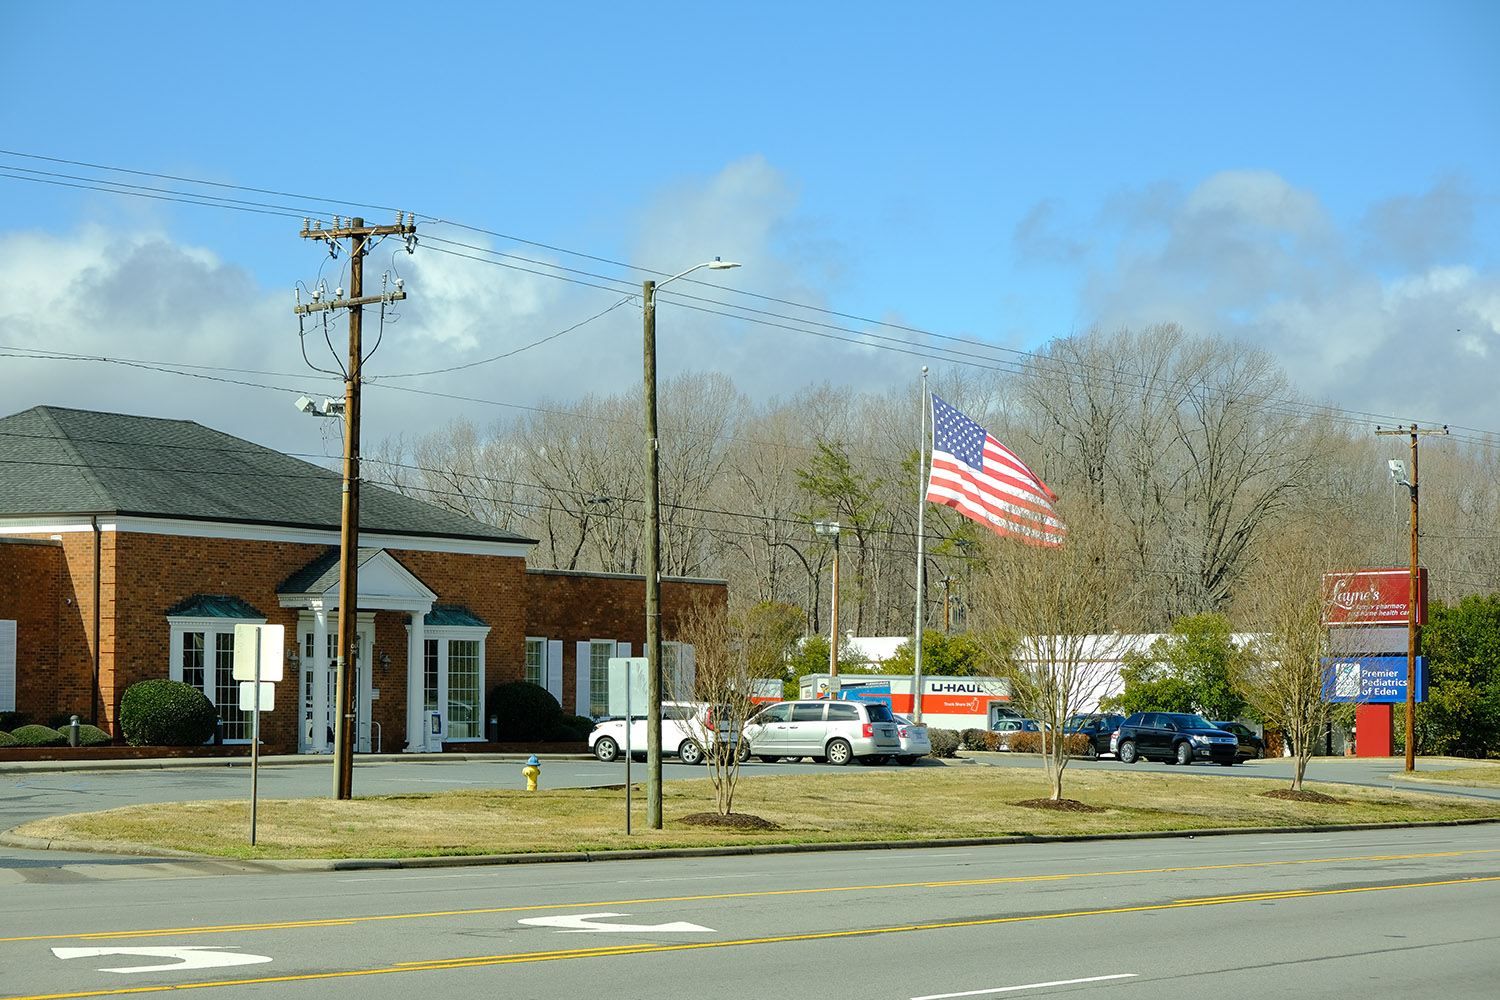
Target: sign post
[
  {"x": 257, "y": 666},
  {"x": 628, "y": 677}
]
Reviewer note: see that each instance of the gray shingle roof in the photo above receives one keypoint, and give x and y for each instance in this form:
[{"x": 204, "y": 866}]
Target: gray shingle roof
[{"x": 56, "y": 461}]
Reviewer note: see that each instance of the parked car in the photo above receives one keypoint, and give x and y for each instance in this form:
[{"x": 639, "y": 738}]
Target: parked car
[
  {"x": 688, "y": 732},
  {"x": 1008, "y": 728},
  {"x": 914, "y": 741},
  {"x": 1175, "y": 737},
  {"x": 1100, "y": 728},
  {"x": 838, "y": 731},
  {"x": 1251, "y": 745}
]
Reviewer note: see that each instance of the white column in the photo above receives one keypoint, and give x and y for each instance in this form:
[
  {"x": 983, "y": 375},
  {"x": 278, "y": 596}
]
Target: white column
[
  {"x": 319, "y": 666},
  {"x": 415, "y": 649}
]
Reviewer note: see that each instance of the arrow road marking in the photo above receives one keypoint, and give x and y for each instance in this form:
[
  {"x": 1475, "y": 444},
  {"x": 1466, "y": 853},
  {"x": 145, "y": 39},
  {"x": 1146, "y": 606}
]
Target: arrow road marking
[
  {"x": 187, "y": 957},
  {"x": 580, "y": 923}
]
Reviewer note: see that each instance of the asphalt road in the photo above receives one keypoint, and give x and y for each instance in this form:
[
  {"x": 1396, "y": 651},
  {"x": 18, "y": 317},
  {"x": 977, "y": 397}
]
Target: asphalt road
[{"x": 1387, "y": 913}]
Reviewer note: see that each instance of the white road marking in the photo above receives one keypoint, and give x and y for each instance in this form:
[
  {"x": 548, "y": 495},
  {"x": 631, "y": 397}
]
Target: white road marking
[
  {"x": 1028, "y": 986},
  {"x": 580, "y": 923},
  {"x": 187, "y": 957}
]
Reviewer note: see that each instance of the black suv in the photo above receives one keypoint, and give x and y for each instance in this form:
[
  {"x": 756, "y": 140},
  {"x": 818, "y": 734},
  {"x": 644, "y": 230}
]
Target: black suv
[
  {"x": 1175, "y": 737},
  {"x": 1098, "y": 728}
]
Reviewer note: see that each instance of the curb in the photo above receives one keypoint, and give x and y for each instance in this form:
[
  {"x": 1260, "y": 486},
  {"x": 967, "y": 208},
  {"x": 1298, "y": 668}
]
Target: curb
[{"x": 291, "y": 865}]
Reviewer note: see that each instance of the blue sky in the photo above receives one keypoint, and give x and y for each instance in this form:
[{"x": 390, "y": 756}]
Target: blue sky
[{"x": 1317, "y": 178}]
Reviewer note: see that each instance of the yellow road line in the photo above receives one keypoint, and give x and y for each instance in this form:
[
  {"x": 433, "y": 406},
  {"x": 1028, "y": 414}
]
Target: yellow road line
[
  {"x": 436, "y": 965},
  {"x": 1011, "y": 879}
]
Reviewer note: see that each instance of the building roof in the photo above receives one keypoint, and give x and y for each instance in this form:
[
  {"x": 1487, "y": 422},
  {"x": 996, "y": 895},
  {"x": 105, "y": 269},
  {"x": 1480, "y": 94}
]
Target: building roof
[{"x": 56, "y": 461}]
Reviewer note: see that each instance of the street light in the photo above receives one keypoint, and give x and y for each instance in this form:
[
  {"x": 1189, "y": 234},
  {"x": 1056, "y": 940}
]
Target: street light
[
  {"x": 653, "y": 549},
  {"x": 830, "y": 529}
]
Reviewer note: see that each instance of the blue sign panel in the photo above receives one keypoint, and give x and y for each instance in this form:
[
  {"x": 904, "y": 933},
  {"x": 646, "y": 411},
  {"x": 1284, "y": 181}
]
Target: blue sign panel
[{"x": 1371, "y": 680}]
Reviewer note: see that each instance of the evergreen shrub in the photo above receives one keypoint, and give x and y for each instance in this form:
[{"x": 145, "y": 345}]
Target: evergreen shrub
[
  {"x": 93, "y": 736},
  {"x": 525, "y": 711},
  {"x": 6, "y": 739},
  {"x": 165, "y": 713},
  {"x": 944, "y": 742},
  {"x": 38, "y": 736}
]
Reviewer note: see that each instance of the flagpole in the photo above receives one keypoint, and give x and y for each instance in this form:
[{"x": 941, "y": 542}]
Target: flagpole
[{"x": 916, "y": 689}]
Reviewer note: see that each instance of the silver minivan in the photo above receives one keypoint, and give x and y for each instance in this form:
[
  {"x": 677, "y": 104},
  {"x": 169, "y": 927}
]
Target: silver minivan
[{"x": 839, "y": 731}]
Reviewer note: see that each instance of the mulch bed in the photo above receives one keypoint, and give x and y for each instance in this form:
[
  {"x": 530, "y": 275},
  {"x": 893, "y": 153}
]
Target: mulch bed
[
  {"x": 1305, "y": 796},
  {"x": 734, "y": 821},
  {"x": 1060, "y": 805}
]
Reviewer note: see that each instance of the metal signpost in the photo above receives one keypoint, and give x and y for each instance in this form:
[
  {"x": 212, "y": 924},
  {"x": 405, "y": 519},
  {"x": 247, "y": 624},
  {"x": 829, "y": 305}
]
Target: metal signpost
[
  {"x": 257, "y": 666},
  {"x": 627, "y": 676}
]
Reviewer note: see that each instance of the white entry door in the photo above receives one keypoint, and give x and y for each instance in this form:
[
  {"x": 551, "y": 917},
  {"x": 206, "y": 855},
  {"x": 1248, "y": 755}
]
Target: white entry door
[{"x": 308, "y": 738}]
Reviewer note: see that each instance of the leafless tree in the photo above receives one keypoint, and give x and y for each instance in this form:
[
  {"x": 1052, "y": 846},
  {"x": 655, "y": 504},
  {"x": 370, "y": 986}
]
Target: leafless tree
[
  {"x": 1058, "y": 619},
  {"x": 729, "y": 655},
  {"x": 1286, "y": 677}
]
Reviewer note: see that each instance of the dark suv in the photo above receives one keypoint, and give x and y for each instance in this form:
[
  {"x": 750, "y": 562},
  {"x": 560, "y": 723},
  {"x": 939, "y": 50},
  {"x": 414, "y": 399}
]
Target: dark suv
[
  {"x": 1098, "y": 728},
  {"x": 1175, "y": 737}
]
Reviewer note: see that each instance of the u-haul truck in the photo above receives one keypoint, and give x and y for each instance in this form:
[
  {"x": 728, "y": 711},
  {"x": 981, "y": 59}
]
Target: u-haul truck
[{"x": 947, "y": 702}]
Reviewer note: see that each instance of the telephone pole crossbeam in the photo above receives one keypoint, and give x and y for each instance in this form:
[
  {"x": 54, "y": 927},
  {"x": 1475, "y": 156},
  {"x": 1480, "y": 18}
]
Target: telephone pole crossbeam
[{"x": 360, "y": 237}]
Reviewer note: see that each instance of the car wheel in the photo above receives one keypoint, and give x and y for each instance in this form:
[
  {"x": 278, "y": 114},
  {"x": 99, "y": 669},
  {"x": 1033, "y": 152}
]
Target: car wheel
[
  {"x": 1127, "y": 752},
  {"x": 1092, "y": 753},
  {"x": 906, "y": 760},
  {"x": 1184, "y": 754},
  {"x": 741, "y": 753},
  {"x": 839, "y": 752},
  {"x": 607, "y": 750},
  {"x": 1260, "y": 753},
  {"x": 766, "y": 758},
  {"x": 690, "y": 752}
]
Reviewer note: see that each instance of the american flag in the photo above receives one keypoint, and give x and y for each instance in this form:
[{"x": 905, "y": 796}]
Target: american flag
[{"x": 980, "y": 478}]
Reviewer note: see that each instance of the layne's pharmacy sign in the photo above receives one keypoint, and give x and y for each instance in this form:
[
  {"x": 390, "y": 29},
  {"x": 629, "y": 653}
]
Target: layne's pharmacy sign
[{"x": 1373, "y": 597}]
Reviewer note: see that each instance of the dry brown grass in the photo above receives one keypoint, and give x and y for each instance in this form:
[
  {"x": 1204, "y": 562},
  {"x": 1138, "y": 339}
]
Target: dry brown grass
[
  {"x": 1485, "y": 775},
  {"x": 921, "y": 803}
]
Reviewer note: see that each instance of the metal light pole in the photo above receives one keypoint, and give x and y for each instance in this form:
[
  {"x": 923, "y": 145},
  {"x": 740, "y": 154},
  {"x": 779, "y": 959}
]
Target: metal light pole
[
  {"x": 831, "y": 529},
  {"x": 653, "y": 549}
]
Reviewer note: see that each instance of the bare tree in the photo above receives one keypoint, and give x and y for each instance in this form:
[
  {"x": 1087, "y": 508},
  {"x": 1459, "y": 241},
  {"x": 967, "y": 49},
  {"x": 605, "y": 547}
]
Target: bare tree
[
  {"x": 729, "y": 656},
  {"x": 1058, "y": 619},
  {"x": 1287, "y": 678}
]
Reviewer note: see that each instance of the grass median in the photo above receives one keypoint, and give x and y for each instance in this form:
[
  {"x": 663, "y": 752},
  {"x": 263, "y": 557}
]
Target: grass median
[{"x": 920, "y": 803}]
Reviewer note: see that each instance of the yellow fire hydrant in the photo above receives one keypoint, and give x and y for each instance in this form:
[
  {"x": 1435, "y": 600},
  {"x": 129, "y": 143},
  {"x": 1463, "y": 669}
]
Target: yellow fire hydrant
[{"x": 532, "y": 769}]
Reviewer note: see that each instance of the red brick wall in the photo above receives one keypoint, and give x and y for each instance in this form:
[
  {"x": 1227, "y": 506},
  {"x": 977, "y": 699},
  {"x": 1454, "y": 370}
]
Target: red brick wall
[
  {"x": 51, "y": 586},
  {"x": 30, "y": 595},
  {"x": 577, "y": 607}
]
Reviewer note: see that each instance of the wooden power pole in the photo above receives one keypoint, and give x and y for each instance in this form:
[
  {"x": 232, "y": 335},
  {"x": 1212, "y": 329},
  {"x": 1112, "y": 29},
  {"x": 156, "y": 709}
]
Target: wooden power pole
[
  {"x": 360, "y": 237},
  {"x": 1413, "y": 623}
]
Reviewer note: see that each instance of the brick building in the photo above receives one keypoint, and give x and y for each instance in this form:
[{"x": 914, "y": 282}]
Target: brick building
[{"x": 131, "y": 546}]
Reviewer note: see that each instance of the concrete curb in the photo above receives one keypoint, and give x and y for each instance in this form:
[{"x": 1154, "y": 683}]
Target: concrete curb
[{"x": 556, "y": 857}]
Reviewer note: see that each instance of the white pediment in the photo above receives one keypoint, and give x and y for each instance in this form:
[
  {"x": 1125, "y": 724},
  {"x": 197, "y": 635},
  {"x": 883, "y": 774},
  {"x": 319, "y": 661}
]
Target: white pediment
[{"x": 383, "y": 585}]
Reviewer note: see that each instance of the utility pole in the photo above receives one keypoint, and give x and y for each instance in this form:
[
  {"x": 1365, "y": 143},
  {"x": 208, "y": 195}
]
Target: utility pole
[
  {"x": 1413, "y": 625},
  {"x": 360, "y": 237}
]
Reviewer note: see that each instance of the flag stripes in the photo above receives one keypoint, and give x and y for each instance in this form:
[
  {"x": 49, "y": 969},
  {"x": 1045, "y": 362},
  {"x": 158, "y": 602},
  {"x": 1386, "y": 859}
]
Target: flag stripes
[{"x": 983, "y": 480}]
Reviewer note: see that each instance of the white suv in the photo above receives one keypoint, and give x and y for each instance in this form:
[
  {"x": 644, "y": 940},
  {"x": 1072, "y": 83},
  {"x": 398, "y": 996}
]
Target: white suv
[{"x": 688, "y": 732}]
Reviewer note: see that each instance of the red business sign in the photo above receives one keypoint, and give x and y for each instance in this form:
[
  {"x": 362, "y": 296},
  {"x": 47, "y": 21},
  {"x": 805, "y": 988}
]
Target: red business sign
[{"x": 1373, "y": 597}]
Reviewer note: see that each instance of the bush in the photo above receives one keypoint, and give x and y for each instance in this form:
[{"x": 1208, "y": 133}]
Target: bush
[
  {"x": 992, "y": 741},
  {"x": 972, "y": 739},
  {"x": 525, "y": 711},
  {"x": 1024, "y": 742},
  {"x": 10, "y": 721},
  {"x": 944, "y": 742},
  {"x": 93, "y": 736},
  {"x": 38, "y": 736},
  {"x": 163, "y": 713},
  {"x": 6, "y": 739}
]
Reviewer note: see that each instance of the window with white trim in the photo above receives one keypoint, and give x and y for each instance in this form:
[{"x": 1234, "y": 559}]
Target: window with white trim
[
  {"x": 599, "y": 654},
  {"x": 536, "y": 662},
  {"x": 202, "y": 655},
  {"x": 453, "y": 678}
]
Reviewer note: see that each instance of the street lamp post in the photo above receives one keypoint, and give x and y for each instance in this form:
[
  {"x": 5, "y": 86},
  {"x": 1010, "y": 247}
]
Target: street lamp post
[
  {"x": 831, "y": 529},
  {"x": 653, "y": 549}
]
